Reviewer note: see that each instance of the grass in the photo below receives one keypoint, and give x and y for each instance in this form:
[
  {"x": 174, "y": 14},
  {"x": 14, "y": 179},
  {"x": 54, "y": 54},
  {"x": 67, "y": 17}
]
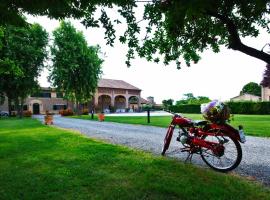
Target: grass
[
  {"x": 41, "y": 162},
  {"x": 255, "y": 125}
]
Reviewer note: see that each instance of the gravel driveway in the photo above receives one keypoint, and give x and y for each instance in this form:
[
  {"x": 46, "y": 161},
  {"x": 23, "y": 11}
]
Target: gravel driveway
[{"x": 256, "y": 151}]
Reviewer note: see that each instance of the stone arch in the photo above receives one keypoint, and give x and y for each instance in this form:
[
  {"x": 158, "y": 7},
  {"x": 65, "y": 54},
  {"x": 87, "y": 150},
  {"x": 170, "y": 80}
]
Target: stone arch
[
  {"x": 104, "y": 102},
  {"x": 33, "y": 105},
  {"x": 120, "y": 103},
  {"x": 133, "y": 103}
]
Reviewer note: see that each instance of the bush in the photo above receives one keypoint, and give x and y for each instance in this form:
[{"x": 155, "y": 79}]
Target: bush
[
  {"x": 27, "y": 113},
  {"x": 85, "y": 111},
  {"x": 249, "y": 107},
  {"x": 67, "y": 112},
  {"x": 157, "y": 108},
  {"x": 13, "y": 114},
  {"x": 239, "y": 107},
  {"x": 186, "y": 108}
]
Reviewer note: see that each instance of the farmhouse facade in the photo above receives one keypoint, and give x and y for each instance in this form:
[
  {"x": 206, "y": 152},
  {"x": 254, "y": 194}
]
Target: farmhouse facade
[
  {"x": 111, "y": 96},
  {"x": 265, "y": 93},
  {"x": 246, "y": 97},
  {"x": 117, "y": 95}
]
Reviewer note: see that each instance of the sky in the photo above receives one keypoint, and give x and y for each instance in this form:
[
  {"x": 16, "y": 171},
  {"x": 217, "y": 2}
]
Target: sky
[{"x": 217, "y": 75}]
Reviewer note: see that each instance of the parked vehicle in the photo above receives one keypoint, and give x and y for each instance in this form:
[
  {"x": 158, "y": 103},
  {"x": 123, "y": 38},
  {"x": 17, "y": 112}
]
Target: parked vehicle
[
  {"x": 216, "y": 143},
  {"x": 4, "y": 114}
]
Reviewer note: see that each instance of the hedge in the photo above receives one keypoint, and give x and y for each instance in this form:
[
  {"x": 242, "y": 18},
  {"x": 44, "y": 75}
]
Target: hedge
[
  {"x": 249, "y": 107},
  {"x": 241, "y": 107},
  {"x": 186, "y": 108}
]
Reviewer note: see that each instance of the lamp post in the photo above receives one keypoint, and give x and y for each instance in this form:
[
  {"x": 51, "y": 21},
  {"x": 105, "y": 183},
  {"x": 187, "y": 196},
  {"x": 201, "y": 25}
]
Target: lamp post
[{"x": 148, "y": 115}]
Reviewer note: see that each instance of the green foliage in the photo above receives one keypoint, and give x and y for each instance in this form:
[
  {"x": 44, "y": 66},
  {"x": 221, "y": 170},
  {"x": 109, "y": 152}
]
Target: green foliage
[
  {"x": 186, "y": 108},
  {"x": 259, "y": 108},
  {"x": 67, "y": 112},
  {"x": 76, "y": 67},
  {"x": 167, "y": 103},
  {"x": 21, "y": 60},
  {"x": 190, "y": 99},
  {"x": 27, "y": 113},
  {"x": 176, "y": 30},
  {"x": 251, "y": 88},
  {"x": 85, "y": 111},
  {"x": 266, "y": 77}
]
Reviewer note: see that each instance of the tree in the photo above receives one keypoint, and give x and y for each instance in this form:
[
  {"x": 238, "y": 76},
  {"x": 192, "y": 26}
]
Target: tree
[
  {"x": 190, "y": 99},
  {"x": 175, "y": 28},
  {"x": 167, "y": 103},
  {"x": 266, "y": 77},
  {"x": 251, "y": 88},
  {"x": 76, "y": 66},
  {"x": 21, "y": 61}
]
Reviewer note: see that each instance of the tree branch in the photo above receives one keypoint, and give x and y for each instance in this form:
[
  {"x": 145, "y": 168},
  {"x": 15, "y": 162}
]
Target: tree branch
[{"x": 235, "y": 41}]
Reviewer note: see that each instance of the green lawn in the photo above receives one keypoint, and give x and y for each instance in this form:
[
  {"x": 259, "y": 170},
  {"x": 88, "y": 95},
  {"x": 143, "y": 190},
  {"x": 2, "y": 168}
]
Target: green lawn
[
  {"x": 256, "y": 125},
  {"x": 41, "y": 162}
]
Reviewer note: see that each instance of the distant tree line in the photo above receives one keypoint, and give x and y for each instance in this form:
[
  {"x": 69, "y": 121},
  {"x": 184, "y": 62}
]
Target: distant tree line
[{"x": 188, "y": 99}]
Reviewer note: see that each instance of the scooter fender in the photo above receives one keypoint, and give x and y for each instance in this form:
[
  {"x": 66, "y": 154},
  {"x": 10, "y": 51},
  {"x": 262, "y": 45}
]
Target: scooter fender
[{"x": 226, "y": 129}]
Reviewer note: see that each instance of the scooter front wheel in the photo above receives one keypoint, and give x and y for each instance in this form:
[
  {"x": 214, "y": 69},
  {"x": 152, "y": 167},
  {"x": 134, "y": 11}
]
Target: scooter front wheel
[{"x": 167, "y": 139}]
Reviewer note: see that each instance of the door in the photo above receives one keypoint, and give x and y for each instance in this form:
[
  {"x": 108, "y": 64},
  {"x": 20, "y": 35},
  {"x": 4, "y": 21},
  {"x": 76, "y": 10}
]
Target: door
[{"x": 36, "y": 109}]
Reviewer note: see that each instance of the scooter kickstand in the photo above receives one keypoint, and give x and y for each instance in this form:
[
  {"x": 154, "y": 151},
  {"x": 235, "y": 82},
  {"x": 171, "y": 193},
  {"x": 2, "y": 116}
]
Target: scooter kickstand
[{"x": 189, "y": 157}]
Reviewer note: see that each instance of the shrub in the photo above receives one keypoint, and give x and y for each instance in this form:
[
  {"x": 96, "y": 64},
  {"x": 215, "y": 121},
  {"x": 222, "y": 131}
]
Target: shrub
[
  {"x": 67, "y": 112},
  {"x": 13, "y": 114},
  {"x": 85, "y": 111},
  {"x": 186, "y": 108},
  {"x": 157, "y": 107},
  {"x": 239, "y": 107},
  {"x": 27, "y": 113},
  {"x": 249, "y": 107}
]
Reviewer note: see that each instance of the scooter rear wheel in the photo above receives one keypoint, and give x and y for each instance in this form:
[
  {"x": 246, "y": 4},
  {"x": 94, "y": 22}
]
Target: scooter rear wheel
[{"x": 229, "y": 157}]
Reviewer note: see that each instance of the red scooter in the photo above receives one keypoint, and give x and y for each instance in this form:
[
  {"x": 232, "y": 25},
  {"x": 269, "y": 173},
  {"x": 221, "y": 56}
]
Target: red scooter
[{"x": 218, "y": 144}]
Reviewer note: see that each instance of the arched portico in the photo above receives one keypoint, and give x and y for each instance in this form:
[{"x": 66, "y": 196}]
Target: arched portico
[
  {"x": 120, "y": 103},
  {"x": 104, "y": 102},
  {"x": 133, "y": 103},
  {"x": 36, "y": 106}
]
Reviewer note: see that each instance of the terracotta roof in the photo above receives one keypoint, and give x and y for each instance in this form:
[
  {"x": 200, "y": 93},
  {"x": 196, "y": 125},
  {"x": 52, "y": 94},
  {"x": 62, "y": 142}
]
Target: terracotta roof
[
  {"x": 144, "y": 101},
  {"x": 119, "y": 84},
  {"x": 245, "y": 94}
]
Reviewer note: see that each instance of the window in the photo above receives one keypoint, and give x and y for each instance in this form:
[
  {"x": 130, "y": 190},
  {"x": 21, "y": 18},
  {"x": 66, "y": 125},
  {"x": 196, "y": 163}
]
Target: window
[
  {"x": 42, "y": 95},
  {"x": 59, "y": 95},
  {"x": 25, "y": 107},
  {"x": 46, "y": 94},
  {"x": 59, "y": 107}
]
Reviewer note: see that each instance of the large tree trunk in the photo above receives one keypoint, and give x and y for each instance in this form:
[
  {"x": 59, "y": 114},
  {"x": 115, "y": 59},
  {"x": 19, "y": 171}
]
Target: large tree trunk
[
  {"x": 9, "y": 106},
  {"x": 17, "y": 106},
  {"x": 78, "y": 111},
  {"x": 21, "y": 101}
]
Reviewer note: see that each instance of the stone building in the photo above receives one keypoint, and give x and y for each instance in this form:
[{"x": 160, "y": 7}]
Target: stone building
[
  {"x": 39, "y": 103},
  {"x": 265, "y": 93},
  {"x": 111, "y": 95},
  {"x": 117, "y": 95},
  {"x": 246, "y": 97}
]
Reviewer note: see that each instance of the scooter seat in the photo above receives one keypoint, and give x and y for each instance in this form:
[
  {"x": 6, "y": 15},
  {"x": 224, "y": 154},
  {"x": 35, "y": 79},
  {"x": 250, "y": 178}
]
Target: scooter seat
[{"x": 200, "y": 122}]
